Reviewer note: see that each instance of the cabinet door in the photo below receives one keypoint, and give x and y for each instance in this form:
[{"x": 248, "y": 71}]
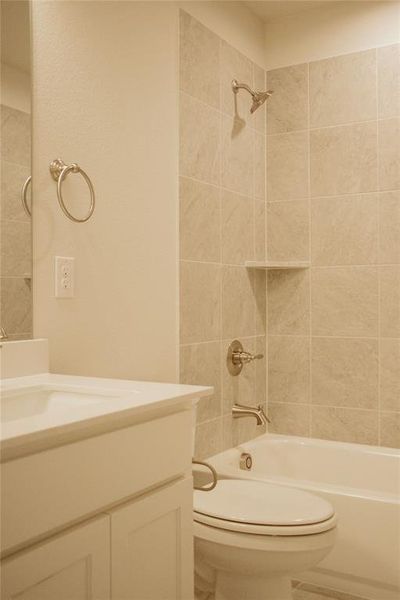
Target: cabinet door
[
  {"x": 152, "y": 546},
  {"x": 71, "y": 566}
]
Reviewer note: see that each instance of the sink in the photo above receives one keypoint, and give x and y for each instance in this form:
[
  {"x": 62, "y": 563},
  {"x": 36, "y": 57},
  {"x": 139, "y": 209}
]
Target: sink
[
  {"x": 39, "y": 400},
  {"x": 46, "y": 410}
]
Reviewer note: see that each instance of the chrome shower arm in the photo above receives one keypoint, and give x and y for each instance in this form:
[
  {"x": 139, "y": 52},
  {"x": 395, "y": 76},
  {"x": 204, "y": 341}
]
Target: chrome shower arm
[{"x": 236, "y": 86}]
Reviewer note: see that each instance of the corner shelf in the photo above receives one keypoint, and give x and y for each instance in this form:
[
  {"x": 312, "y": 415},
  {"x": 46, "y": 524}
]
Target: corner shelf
[{"x": 276, "y": 264}]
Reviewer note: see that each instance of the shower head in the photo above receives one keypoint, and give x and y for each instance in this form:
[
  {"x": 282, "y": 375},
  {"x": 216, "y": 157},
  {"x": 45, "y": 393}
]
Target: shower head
[{"x": 258, "y": 97}]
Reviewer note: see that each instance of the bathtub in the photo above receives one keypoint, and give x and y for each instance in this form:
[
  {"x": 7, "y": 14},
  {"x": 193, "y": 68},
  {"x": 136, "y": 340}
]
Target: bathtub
[{"x": 363, "y": 485}]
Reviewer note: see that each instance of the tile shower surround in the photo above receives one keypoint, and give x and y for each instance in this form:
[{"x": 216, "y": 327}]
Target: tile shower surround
[
  {"x": 222, "y": 224},
  {"x": 15, "y": 239},
  {"x": 332, "y": 197},
  {"x": 333, "y": 159}
]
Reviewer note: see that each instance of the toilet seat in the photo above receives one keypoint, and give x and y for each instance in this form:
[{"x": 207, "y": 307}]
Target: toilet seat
[{"x": 255, "y": 507}]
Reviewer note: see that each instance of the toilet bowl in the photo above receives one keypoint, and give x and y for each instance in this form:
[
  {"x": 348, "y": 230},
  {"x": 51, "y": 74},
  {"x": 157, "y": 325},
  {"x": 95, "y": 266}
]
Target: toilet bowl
[{"x": 252, "y": 537}]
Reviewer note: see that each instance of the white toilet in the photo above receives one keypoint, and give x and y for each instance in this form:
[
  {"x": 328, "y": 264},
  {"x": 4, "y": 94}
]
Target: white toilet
[{"x": 251, "y": 537}]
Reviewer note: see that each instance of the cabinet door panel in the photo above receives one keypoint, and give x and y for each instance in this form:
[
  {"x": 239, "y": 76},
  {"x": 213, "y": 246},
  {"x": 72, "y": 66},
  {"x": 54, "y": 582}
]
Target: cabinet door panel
[
  {"x": 152, "y": 546},
  {"x": 71, "y": 566}
]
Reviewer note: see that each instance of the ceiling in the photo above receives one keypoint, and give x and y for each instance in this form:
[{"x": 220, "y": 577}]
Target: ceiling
[
  {"x": 269, "y": 11},
  {"x": 15, "y": 36}
]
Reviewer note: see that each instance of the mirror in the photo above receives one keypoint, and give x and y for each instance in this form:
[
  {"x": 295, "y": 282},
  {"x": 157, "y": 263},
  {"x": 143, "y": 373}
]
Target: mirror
[{"x": 15, "y": 147}]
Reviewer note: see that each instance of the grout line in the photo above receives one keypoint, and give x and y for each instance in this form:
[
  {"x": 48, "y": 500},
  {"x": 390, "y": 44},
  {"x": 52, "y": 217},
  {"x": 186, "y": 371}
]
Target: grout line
[
  {"x": 378, "y": 253},
  {"x": 310, "y": 380},
  {"x": 323, "y": 127}
]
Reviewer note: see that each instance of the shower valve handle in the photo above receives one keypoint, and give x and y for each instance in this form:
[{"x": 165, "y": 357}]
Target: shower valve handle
[{"x": 243, "y": 357}]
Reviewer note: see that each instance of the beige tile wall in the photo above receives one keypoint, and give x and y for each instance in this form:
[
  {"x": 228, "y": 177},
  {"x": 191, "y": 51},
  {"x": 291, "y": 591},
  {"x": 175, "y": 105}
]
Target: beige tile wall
[
  {"x": 15, "y": 226},
  {"x": 222, "y": 224},
  {"x": 333, "y": 160}
]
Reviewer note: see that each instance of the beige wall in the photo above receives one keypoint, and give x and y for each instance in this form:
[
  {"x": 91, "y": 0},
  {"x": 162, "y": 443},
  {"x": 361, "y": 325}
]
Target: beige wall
[
  {"x": 333, "y": 160},
  {"x": 234, "y": 23},
  {"x": 338, "y": 28},
  {"x": 105, "y": 96},
  {"x": 222, "y": 209}
]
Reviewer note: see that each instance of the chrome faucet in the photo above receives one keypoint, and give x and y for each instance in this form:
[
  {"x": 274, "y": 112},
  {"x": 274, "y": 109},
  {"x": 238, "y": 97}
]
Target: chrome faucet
[{"x": 238, "y": 411}]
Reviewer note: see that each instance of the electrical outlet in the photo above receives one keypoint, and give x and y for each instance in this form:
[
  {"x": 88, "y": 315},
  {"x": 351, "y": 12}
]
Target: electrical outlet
[{"x": 64, "y": 277}]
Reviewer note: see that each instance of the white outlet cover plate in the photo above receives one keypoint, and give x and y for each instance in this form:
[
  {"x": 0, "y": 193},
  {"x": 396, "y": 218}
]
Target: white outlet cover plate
[{"x": 64, "y": 269}]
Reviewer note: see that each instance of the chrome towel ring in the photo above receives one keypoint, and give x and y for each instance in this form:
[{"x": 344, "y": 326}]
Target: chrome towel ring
[
  {"x": 59, "y": 170},
  {"x": 24, "y": 201}
]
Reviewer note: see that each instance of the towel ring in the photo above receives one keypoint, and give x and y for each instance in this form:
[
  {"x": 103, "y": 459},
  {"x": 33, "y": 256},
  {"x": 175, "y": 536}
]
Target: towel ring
[
  {"x": 24, "y": 201},
  {"x": 59, "y": 170}
]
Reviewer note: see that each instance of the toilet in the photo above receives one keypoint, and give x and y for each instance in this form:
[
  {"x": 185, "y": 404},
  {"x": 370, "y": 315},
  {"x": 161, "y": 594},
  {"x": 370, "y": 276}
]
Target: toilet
[{"x": 252, "y": 537}]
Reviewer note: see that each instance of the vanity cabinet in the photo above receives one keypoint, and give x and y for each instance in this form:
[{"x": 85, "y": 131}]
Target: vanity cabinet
[
  {"x": 71, "y": 566},
  {"x": 141, "y": 550}
]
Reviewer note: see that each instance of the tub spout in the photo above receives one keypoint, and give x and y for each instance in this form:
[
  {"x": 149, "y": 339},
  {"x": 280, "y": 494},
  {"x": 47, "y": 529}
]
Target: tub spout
[{"x": 238, "y": 411}]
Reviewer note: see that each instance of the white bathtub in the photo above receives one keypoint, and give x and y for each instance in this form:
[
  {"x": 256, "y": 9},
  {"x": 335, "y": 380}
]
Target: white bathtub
[{"x": 363, "y": 485}]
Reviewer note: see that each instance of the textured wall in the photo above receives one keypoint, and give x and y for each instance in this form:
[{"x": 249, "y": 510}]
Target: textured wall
[
  {"x": 333, "y": 160},
  {"x": 105, "y": 96},
  {"x": 15, "y": 238},
  {"x": 222, "y": 209}
]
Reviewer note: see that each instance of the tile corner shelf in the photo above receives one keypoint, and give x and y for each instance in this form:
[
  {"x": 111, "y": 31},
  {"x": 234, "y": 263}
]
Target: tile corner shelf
[{"x": 276, "y": 264}]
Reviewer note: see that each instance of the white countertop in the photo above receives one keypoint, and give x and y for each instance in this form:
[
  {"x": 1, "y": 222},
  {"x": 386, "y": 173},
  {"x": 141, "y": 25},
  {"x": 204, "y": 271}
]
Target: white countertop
[{"x": 41, "y": 411}]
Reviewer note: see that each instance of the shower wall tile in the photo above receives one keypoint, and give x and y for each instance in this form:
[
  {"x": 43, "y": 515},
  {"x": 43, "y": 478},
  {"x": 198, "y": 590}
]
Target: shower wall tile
[
  {"x": 345, "y": 424},
  {"x": 390, "y": 429},
  {"x": 345, "y": 372},
  {"x": 13, "y": 177},
  {"x": 288, "y": 230},
  {"x": 390, "y": 374},
  {"x": 287, "y": 160},
  {"x": 389, "y": 81},
  {"x": 239, "y": 431},
  {"x": 200, "y": 152},
  {"x": 389, "y": 223},
  {"x": 261, "y": 370},
  {"x": 259, "y": 292},
  {"x": 237, "y": 156},
  {"x": 389, "y": 152},
  {"x": 348, "y": 340},
  {"x": 289, "y": 369},
  {"x": 237, "y": 228},
  {"x": 200, "y": 364},
  {"x": 390, "y": 301},
  {"x": 238, "y": 303},
  {"x": 234, "y": 65},
  {"x": 344, "y": 230},
  {"x": 343, "y": 159},
  {"x": 345, "y": 301},
  {"x": 15, "y": 136},
  {"x": 259, "y": 166},
  {"x": 288, "y": 302},
  {"x": 200, "y": 221},
  {"x": 199, "y": 61},
  {"x": 16, "y": 305},
  {"x": 289, "y": 419},
  {"x": 259, "y": 83},
  {"x": 343, "y": 89},
  {"x": 288, "y": 106},
  {"x": 16, "y": 249},
  {"x": 208, "y": 439},
  {"x": 200, "y": 302},
  {"x": 259, "y": 230},
  {"x": 222, "y": 225}
]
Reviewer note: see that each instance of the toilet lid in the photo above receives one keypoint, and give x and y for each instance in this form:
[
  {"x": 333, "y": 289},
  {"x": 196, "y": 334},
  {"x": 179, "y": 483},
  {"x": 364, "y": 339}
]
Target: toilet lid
[{"x": 260, "y": 503}]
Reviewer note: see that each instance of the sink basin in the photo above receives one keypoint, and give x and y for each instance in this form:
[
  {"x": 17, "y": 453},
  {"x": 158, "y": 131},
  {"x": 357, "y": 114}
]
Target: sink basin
[
  {"x": 45, "y": 410},
  {"x": 38, "y": 400}
]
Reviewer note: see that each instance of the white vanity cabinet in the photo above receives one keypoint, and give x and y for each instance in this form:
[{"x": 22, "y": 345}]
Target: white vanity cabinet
[
  {"x": 141, "y": 550},
  {"x": 96, "y": 487},
  {"x": 74, "y": 565}
]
